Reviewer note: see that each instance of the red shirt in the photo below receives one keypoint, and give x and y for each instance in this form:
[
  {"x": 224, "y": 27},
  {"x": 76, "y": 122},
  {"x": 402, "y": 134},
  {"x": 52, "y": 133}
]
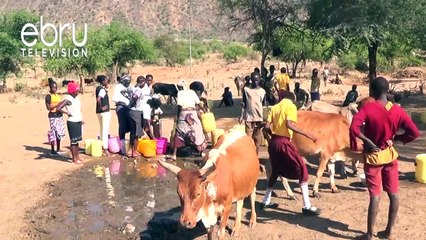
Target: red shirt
[{"x": 381, "y": 125}]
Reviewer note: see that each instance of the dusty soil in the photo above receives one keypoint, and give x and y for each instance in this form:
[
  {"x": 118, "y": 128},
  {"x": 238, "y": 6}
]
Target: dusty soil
[{"x": 45, "y": 198}]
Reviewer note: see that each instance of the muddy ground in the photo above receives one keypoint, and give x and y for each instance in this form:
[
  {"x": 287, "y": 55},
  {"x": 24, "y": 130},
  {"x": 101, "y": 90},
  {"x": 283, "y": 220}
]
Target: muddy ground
[{"x": 79, "y": 206}]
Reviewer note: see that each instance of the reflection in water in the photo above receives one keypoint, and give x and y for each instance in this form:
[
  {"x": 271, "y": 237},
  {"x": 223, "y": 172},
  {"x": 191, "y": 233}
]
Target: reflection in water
[
  {"x": 141, "y": 169},
  {"x": 114, "y": 167}
]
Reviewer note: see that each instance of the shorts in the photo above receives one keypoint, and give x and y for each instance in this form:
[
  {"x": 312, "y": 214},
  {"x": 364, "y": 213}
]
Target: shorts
[
  {"x": 75, "y": 131},
  {"x": 315, "y": 96},
  {"x": 385, "y": 176}
]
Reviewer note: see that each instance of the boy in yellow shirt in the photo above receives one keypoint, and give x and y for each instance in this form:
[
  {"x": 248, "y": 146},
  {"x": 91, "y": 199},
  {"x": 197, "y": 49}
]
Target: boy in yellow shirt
[
  {"x": 285, "y": 158},
  {"x": 282, "y": 81}
]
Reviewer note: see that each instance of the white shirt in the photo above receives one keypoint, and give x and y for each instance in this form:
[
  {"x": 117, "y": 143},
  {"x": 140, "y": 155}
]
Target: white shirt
[
  {"x": 118, "y": 96},
  {"x": 187, "y": 99},
  {"x": 139, "y": 101},
  {"x": 146, "y": 108},
  {"x": 102, "y": 93},
  {"x": 74, "y": 109},
  {"x": 146, "y": 90}
]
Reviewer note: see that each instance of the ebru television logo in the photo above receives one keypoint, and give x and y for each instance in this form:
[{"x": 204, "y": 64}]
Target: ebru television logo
[{"x": 30, "y": 34}]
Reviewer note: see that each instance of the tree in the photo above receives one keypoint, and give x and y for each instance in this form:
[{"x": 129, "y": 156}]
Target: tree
[
  {"x": 364, "y": 21},
  {"x": 297, "y": 44},
  {"x": 112, "y": 46},
  {"x": 127, "y": 45},
  {"x": 265, "y": 16},
  {"x": 173, "y": 52},
  {"x": 11, "y": 61}
]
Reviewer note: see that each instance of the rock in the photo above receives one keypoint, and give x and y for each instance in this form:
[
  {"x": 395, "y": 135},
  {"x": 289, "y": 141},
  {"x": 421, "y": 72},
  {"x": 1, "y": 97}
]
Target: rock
[{"x": 129, "y": 228}]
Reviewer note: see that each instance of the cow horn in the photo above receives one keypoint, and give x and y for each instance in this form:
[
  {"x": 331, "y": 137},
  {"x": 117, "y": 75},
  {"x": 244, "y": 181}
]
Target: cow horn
[
  {"x": 172, "y": 168},
  {"x": 205, "y": 172}
]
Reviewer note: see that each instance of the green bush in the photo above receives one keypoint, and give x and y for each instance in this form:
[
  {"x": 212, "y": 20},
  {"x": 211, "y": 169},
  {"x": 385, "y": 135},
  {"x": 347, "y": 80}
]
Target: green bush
[
  {"x": 233, "y": 51},
  {"x": 347, "y": 60},
  {"x": 216, "y": 46},
  {"x": 411, "y": 61},
  {"x": 199, "y": 49},
  {"x": 173, "y": 51}
]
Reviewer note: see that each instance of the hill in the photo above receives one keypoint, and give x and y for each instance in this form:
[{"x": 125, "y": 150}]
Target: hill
[{"x": 153, "y": 17}]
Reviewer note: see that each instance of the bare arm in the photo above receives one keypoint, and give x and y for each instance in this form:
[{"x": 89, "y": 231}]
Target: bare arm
[
  {"x": 62, "y": 105},
  {"x": 355, "y": 131},
  {"x": 291, "y": 126},
  {"x": 276, "y": 86},
  {"x": 306, "y": 98},
  {"x": 411, "y": 131}
]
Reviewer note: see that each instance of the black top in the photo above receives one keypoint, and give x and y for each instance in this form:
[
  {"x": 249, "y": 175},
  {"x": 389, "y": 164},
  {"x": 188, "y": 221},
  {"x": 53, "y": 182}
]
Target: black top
[
  {"x": 104, "y": 100},
  {"x": 51, "y": 114},
  {"x": 350, "y": 97}
]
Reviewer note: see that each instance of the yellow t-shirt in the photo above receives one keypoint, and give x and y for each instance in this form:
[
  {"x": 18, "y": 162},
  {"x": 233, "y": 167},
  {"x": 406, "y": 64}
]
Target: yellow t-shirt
[
  {"x": 278, "y": 116},
  {"x": 54, "y": 99},
  {"x": 283, "y": 79}
]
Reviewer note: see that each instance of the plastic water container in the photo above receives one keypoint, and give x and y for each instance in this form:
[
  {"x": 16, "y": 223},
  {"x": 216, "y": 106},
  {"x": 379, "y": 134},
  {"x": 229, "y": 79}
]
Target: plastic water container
[
  {"x": 88, "y": 146},
  {"x": 421, "y": 168},
  {"x": 216, "y": 134},
  {"x": 148, "y": 148},
  {"x": 114, "y": 145},
  {"x": 96, "y": 148},
  {"x": 208, "y": 121},
  {"x": 161, "y": 145}
]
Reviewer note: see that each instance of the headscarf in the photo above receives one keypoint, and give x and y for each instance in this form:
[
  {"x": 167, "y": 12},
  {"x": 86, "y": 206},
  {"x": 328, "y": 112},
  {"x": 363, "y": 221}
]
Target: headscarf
[
  {"x": 73, "y": 87},
  {"x": 125, "y": 80}
]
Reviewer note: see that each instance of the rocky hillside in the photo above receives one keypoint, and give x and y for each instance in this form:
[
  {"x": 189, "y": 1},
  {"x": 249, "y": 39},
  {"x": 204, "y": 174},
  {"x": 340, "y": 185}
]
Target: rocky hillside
[{"x": 153, "y": 17}]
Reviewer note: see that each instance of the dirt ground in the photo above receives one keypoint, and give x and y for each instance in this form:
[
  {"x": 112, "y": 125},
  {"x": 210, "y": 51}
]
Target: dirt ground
[{"x": 45, "y": 198}]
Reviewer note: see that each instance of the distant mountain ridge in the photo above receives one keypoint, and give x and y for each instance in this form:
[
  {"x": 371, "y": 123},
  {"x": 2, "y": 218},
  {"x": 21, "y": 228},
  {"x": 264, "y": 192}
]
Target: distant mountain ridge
[{"x": 152, "y": 17}]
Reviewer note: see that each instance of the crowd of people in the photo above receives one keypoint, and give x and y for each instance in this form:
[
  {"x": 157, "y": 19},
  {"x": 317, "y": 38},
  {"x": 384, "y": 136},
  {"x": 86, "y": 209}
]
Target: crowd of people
[
  {"x": 376, "y": 124},
  {"x": 137, "y": 110}
]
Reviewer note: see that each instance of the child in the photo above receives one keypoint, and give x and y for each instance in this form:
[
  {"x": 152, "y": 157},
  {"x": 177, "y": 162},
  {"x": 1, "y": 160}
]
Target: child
[
  {"x": 227, "y": 98},
  {"x": 75, "y": 119},
  {"x": 315, "y": 85},
  {"x": 351, "y": 96},
  {"x": 156, "y": 122},
  {"x": 57, "y": 124},
  {"x": 285, "y": 159}
]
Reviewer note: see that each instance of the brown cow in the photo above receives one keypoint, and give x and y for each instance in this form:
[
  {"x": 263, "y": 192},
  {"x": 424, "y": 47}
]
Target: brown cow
[
  {"x": 229, "y": 175},
  {"x": 332, "y": 132}
]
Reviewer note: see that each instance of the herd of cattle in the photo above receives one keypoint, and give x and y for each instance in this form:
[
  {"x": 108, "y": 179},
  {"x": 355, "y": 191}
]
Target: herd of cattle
[{"x": 231, "y": 167}]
